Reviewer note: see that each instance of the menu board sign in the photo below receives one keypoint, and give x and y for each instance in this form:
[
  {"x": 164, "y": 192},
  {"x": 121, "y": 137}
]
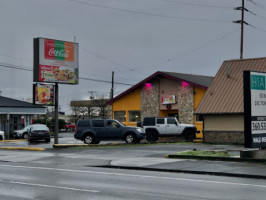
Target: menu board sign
[{"x": 55, "y": 61}]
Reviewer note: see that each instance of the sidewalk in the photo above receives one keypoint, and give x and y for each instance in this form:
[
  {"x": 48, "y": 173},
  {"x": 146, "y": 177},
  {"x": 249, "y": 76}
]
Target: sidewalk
[{"x": 231, "y": 166}]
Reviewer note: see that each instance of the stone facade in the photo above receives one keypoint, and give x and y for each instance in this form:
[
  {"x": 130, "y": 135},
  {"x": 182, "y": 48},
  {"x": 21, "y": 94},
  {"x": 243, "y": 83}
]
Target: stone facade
[
  {"x": 224, "y": 137},
  {"x": 109, "y": 111},
  {"x": 150, "y": 100},
  {"x": 185, "y": 102}
]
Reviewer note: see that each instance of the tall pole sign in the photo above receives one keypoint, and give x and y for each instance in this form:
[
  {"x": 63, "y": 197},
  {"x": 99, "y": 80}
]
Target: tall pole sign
[
  {"x": 55, "y": 61},
  {"x": 255, "y": 109}
]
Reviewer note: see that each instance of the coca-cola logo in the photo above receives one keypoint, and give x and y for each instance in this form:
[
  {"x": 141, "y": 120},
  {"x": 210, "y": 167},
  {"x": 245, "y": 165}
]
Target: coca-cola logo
[{"x": 58, "y": 53}]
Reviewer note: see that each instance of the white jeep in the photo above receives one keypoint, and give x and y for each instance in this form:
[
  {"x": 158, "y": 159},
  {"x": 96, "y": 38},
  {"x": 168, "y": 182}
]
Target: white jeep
[
  {"x": 2, "y": 135},
  {"x": 156, "y": 127}
]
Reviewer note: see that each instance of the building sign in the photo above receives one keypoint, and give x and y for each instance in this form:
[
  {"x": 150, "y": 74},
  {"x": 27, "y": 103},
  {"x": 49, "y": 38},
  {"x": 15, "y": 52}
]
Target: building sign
[
  {"x": 55, "y": 61},
  {"x": 43, "y": 94},
  {"x": 255, "y": 109},
  {"x": 170, "y": 99}
]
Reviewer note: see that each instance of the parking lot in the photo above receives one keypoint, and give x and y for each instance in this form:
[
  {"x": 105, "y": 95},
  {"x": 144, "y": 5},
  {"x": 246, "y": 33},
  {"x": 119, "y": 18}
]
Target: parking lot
[{"x": 64, "y": 138}]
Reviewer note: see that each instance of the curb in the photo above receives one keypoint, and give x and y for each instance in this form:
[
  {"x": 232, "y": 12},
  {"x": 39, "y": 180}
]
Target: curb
[
  {"x": 23, "y": 148},
  {"x": 187, "y": 172},
  {"x": 229, "y": 159},
  {"x": 13, "y": 140}
]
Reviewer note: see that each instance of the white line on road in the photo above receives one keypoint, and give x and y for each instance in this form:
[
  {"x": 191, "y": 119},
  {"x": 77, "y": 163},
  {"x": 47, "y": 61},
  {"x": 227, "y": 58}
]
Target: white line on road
[
  {"x": 48, "y": 186},
  {"x": 138, "y": 176}
]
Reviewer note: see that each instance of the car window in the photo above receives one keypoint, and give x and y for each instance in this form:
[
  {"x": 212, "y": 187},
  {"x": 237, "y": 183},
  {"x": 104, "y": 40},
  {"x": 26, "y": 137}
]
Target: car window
[
  {"x": 112, "y": 124},
  {"x": 83, "y": 123},
  {"x": 39, "y": 127},
  {"x": 160, "y": 121},
  {"x": 171, "y": 121},
  {"x": 97, "y": 123}
]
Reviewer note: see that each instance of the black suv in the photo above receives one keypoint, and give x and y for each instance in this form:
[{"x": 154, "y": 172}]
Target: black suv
[{"x": 92, "y": 131}]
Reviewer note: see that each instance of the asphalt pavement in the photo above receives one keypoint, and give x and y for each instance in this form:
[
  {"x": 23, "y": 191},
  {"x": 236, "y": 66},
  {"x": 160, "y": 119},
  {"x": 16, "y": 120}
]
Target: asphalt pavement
[{"x": 150, "y": 157}]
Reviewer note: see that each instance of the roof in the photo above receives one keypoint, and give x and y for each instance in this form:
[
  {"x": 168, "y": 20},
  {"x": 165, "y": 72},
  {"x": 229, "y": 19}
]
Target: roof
[
  {"x": 196, "y": 80},
  {"x": 225, "y": 95},
  {"x": 8, "y": 102}
]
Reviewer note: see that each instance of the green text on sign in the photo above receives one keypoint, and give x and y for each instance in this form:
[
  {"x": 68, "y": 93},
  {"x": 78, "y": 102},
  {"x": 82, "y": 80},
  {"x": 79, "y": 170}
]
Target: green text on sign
[{"x": 257, "y": 82}]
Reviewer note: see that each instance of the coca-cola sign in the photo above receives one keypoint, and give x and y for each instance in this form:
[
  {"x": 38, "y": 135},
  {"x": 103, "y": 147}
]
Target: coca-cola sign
[
  {"x": 58, "y": 50},
  {"x": 55, "y": 61}
]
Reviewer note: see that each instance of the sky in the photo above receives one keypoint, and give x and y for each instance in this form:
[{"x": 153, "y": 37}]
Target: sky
[{"x": 132, "y": 38}]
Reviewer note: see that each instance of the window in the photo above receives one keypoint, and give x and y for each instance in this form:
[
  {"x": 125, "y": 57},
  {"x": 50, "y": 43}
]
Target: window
[
  {"x": 84, "y": 123},
  {"x": 171, "y": 121},
  {"x": 149, "y": 121},
  {"x": 112, "y": 124},
  {"x": 199, "y": 118},
  {"x": 160, "y": 121},
  {"x": 97, "y": 123},
  {"x": 134, "y": 116},
  {"x": 120, "y": 116}
]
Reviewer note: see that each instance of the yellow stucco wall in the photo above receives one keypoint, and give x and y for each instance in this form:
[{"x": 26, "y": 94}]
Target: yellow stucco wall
[
  {"x": 198, "y": 95},
  {"x": 129, "y": 102}
]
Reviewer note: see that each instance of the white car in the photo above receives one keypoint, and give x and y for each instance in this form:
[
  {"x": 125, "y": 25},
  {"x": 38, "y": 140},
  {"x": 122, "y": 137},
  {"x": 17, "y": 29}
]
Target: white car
[
  {"x": 22, "y": 133},
  {"x": 2, "y": 135}
]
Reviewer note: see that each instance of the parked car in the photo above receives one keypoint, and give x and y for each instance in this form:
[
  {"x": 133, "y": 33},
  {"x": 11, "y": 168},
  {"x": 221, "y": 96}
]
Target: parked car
[
  {"x": 156, "y": 127},
  {"x": 2, "y": 135},
  {"x": 70, "y": 127},
  {"x": 92, "y": 131},
  {"x": 22, "y": 133},
  {"x": 39, "y": 132}
]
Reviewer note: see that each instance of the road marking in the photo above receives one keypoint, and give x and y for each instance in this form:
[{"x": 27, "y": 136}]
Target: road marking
[
  {"x": 138, "y": 176},
  {"x": 48, "y": 186}
]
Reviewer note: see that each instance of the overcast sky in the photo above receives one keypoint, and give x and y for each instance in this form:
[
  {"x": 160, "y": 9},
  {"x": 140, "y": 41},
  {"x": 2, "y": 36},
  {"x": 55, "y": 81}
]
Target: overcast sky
[{"x": 133, "y": 38}]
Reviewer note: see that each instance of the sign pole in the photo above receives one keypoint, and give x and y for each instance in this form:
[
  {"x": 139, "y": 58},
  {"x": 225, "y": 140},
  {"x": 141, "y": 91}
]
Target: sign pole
[{"x": 56, "y": 114}]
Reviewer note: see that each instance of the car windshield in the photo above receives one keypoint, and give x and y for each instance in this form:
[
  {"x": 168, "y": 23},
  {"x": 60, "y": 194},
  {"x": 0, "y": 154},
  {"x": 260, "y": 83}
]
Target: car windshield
[{"x": 40, "y": 128}]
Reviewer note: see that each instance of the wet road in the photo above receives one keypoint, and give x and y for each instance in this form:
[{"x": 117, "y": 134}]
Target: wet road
[{"x": 43, "y": 182}]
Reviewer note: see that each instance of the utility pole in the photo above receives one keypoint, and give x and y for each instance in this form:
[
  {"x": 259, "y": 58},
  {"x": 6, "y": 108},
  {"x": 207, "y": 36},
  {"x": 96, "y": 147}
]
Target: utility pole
[
  {"x": 242, "y": 22},
  {"x": 112, "y": 89}
]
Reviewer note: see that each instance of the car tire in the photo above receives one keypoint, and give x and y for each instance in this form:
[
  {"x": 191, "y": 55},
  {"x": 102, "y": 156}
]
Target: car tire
[
  {"x": 89, "y": 139},
  {"x": 189, "y": 135},
  {"x": 25, "y": 136},
  {"x": 96, "y": 142},
  {"x": 151, "y": 136},
  {"x": 130, "y": 138},
  {"x": 48, "y": 140}
]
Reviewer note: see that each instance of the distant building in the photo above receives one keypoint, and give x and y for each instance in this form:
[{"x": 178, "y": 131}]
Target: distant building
[
  {"x": 162, "y": 94},
  {"x": 222, "y": 107},
  {"x": 15, "y": 114}
]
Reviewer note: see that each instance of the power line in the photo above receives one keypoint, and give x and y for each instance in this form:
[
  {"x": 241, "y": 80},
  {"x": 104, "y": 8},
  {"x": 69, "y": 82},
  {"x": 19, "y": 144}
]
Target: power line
[
  {"x": 196, "y": 49},
  {"x": 146, "y": 13},
  {"x": 14, "y": 67},
  {"x": 109, "y": 60},
  {"x": 82, "y": 78},
  {"x": 195, "y": 4},
  {"x": 103, "y": 81}
]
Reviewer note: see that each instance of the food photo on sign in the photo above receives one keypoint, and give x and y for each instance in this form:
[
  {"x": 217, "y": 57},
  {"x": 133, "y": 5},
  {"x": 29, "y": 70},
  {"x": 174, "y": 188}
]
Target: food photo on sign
[{"x": 44, "y": 94}]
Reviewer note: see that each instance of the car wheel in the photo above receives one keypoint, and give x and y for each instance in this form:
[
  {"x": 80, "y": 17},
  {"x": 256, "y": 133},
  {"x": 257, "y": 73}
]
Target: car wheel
[
  {"x": 130, "y": 138},
  {"x": 151, "y": 136},
  {"x": 25, "y": 136},
  {"x": 189, "y": 135},
  {"x": 89, "y": 139},
  {"x": 47, "y": 140}
]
